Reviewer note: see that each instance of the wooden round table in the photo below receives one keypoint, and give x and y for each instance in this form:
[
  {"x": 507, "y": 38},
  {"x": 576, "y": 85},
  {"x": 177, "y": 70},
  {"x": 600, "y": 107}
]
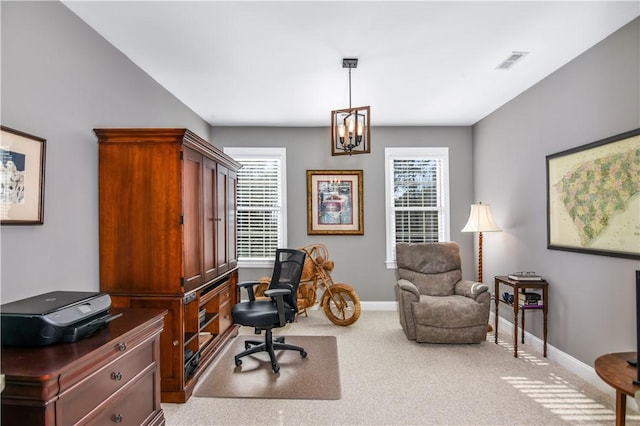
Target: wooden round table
[{"x": 617, "y": 373}]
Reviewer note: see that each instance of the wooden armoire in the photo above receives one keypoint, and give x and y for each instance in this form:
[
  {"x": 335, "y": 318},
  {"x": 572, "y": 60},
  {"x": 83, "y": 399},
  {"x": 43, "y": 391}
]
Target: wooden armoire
[{"x": 168, "y": 240}]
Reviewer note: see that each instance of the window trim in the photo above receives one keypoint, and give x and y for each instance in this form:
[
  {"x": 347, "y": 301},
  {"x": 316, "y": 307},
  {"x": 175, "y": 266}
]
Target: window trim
[
  {"x": 391, "y": 154},
  {"x": 252, "y": 153}
]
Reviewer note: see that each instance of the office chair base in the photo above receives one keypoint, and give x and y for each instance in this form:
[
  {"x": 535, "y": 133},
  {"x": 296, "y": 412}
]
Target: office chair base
[
  {"x": 270, "y": 345},
  {"x": 249, "y": 343}
]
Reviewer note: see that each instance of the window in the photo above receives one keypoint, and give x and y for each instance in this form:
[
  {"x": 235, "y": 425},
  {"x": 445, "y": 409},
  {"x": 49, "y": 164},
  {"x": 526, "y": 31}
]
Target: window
[
  {"x": 262, "y": 195},
  {"x": 417, "y": 197}
]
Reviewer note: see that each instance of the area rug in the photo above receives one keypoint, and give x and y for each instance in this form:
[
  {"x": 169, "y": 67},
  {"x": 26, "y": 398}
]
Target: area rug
[{"x": 315, "y": 377}]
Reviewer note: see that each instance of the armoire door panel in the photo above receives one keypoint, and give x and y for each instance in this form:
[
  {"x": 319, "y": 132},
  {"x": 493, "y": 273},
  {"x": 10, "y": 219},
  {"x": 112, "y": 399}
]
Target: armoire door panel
[
  {"x": 231, "y": 219},
  {"x": 209, "y": 220},
  {"x": 222, "y": 218},
  {"x": 192, "y": 198}
]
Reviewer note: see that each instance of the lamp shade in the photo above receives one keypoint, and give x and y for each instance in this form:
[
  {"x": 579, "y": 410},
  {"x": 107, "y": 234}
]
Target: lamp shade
[{"x": 481, "y": 219}]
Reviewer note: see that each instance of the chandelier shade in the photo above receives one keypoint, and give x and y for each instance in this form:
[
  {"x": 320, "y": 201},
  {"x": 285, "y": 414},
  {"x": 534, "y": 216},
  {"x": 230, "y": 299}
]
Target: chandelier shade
[
  {"x": 350, "y": 131},
  {"x": 350, "y": 127}
]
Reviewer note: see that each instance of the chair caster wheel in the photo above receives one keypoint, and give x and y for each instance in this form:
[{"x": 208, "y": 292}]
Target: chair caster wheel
[
  {"x": 303, "y": 354},
  {"x": 276, "y": 368},
  {"x": 246, "y": 346},
  {"x": 238, "y": 362}
]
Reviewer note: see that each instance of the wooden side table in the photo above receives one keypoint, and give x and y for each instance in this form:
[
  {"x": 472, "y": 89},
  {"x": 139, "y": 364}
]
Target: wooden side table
[
  {"x": 617, "y": 373},
  {"x": 519, "y": 287}
]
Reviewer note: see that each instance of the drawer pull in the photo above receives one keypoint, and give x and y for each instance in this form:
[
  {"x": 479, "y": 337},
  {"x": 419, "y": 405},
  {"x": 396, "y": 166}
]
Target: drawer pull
[
  {"x": 122, "y": 346},
  {"x": 116, "y": 418},
  {"x": 116, "y": 376}
]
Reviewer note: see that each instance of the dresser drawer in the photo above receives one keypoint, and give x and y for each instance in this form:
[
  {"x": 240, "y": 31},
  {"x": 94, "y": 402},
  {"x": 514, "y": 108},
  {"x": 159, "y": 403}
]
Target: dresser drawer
[
  {"x": 133, "y": 406},
  {"x": 75, "y": 403}
]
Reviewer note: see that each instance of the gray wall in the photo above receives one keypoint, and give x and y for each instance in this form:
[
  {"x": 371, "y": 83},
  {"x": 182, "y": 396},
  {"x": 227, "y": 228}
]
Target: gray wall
[
  {"x": 360, "y": 260},
  {"x": 592, "y": 307},
  {"x": 60, "y": 80}
]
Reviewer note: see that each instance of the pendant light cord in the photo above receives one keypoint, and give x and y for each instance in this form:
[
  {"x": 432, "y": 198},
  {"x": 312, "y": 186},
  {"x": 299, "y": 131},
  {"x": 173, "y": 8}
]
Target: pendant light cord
[{"x": 349, "y": 87}]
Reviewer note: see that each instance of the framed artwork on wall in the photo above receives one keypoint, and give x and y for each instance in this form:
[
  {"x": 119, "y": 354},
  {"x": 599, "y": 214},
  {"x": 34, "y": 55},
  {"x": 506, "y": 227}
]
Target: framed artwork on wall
[
  {"x": 22, "y": 158},
  {"x": 334, "y": 202},
  {"x": 593, "y": 197}
]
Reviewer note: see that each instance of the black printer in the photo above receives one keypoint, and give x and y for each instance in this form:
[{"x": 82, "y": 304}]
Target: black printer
[{"x": 58, "y": 316}]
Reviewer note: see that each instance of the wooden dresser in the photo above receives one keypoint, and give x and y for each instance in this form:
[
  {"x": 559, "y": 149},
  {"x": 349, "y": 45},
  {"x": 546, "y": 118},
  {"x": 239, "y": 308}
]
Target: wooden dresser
[{"x": 111, "y": 377}]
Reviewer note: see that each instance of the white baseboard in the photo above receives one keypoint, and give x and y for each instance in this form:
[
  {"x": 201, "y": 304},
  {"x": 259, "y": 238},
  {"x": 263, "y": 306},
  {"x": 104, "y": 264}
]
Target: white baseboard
[
  {"x": 369, "y": 306},
  {"x": 378, "y": 306}
]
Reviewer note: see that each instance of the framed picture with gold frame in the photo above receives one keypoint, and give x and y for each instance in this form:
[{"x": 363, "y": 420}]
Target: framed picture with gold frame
[
  {"x": 593, "y": 197},
  {"x": 335, "y": 202},
  {"x": 22, "y": 158}
]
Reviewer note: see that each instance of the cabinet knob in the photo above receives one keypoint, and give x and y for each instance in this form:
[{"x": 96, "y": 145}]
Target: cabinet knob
[
  {"x": 116, "y": 376},
  {"x": 116, "y": 418},
  {"x": 122, "y": 346},
  {"x": 175, "y": 343}
]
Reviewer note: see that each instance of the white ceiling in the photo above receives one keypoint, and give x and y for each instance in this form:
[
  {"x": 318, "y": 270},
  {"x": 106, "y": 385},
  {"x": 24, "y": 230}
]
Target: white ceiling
[{"x": 280, "y": 63}]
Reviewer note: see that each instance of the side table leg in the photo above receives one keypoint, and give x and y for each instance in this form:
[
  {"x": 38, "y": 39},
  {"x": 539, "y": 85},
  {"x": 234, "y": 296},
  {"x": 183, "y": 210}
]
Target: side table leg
[
  {"x": 522, "y": 327},
  {"x": 545, "y": 310},
  {"x": 515, "y": 328},
  {"x": 496, "y": 303},
  {"x": 621, "y": 408}
]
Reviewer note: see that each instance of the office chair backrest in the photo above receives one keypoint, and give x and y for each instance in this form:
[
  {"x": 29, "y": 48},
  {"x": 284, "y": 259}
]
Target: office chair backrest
[{"x": 287, "y": 272}]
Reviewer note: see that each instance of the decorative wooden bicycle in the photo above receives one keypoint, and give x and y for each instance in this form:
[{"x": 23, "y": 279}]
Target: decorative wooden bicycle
[{"x": 339, "y": 301}]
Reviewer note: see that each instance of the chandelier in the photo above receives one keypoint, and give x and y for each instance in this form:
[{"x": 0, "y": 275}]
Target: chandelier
[{"x": 350, "y": 128}]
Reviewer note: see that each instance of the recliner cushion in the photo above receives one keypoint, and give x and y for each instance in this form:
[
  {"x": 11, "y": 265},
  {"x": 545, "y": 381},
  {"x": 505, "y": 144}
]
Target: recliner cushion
[
  {"x": 434, "y": 268},
  {"x": 442, "y": 284},
  {"x": 448, "y": 311}
]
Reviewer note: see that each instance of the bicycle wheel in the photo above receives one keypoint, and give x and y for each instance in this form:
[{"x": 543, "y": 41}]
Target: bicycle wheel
[{"x": 341, "y": 304}]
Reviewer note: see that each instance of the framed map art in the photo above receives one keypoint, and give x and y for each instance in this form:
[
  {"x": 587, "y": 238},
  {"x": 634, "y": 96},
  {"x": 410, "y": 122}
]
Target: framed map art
[{"x": 593, "y": 197}]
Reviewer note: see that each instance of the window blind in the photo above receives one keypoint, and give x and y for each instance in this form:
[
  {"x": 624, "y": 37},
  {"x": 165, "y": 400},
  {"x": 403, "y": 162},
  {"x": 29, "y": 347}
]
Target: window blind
[
  {"x": 417, "y": 200},
  {"x": 259, "y": 207}
]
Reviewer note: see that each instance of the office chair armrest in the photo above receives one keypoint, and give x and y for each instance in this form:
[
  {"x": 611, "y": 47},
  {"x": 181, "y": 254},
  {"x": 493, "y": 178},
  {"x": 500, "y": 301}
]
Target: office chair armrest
[
  {"x": 278, "y": 294},
  {"x": 249, "y": 285}
]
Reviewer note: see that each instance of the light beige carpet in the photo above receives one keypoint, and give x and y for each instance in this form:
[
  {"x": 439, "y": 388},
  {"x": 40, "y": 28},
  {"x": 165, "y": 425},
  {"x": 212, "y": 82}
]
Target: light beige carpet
[
  {"x": 389, "y": 380},
  {"x": 315, "y": 377}
]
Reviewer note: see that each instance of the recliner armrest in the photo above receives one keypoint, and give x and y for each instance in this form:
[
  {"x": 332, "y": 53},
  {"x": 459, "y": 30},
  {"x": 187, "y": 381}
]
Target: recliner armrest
[
  {"x": 278, "y": 294},
  {"x": 249, "y": 286},
  {"x": 470, "y": 288},
  {"x": 408, "y": 286}
]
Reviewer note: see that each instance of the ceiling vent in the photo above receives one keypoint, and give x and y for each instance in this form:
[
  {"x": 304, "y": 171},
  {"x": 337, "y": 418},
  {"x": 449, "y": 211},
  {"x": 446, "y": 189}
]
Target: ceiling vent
[{"x": 513, "y": 58}]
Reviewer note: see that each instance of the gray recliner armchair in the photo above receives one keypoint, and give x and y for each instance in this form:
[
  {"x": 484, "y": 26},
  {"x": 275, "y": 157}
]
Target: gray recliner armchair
[{"x": 435, "y": 304}]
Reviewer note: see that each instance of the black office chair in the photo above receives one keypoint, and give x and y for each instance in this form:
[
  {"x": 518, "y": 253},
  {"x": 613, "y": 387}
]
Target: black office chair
[{"x": 280, "y": 308}]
